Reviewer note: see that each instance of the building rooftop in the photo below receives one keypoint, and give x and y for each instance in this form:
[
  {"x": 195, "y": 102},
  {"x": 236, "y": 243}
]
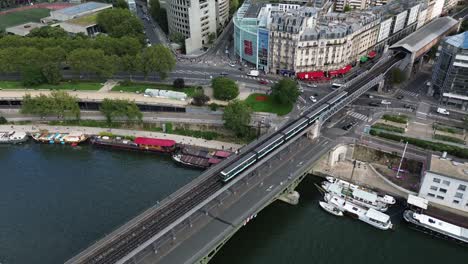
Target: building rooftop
[
  {"x": 460, "y": 40},
  {"x": 425, "y": 35},
  {"x": 83, "y": 8},
  {"x": 85, "y": 21},
  {"x": 448, "y": 167},
  {"x": 24, "y": 29}
]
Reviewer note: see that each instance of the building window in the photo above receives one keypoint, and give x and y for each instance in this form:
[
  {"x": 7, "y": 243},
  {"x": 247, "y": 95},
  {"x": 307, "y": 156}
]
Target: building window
[
  {"x": 459, "y": 195},
  {"x": 433, "y": 188},
  {"x": 462, "y": 187},
  {"x": 436, "y": 180},
  {"x": 456, "y": 201},
  {"x": 447, "y": 183},
  {"x": 430, "y": 194},
  {"x": 442, "y": 190},
  {"x": 439, "y": 197}
]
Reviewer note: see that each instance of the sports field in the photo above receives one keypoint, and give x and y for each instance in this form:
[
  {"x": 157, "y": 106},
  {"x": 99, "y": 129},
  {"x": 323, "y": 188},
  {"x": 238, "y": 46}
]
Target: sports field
[{"x": 20, "y": 17}]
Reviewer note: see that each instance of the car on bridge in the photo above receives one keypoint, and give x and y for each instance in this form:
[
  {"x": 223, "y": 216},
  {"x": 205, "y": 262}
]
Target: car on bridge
[
  {"x": 312, "y": 98},
  {"x": 386, "y": 102},
  {"x": 374, "y": 104}
]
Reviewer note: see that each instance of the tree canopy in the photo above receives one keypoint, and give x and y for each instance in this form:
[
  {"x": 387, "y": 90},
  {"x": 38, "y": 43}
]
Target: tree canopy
[
  {"x": 118, "y": 22},
  {"x": 159, "y": 59},
  {"x": 57, "y": 103},
  {"x": 199, "y": 98},
  {"x": 114, "y": 108},
  {"x": 159, "y": 15},
  {"x": 237, "y": 116},
  {"x": 48, "y": 32},
  {"x": 285, "y": 91},
  {"x": 224, "y": 88}
]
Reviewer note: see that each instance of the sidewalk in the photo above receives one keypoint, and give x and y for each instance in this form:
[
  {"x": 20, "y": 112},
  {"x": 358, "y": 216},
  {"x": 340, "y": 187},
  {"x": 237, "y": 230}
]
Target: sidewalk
[
  {"x": 108, "y": 85},
  {"x": 95, "y": 130}
]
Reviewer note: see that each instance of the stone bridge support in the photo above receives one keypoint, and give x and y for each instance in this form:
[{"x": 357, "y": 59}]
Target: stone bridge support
[
  {"x": 314, "y": 130},
  {"x": 337, "y": 154},
  {"x": 381, "y": 85}
]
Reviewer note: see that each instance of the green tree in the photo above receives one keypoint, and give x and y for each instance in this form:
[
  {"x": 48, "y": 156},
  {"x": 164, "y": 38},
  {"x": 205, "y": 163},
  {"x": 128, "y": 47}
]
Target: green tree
[
  {"x": 120, "y": 108},
  {"x": 48, "y": 32},
  {"x": 51, "y": 73},
  {"x": 178, "y": 38},
  {"x": 92, "y": 61},
  {"x": 3, "y": 120},
  {"x": 347, "y": 8},
  {"x": 64, "y": 104},
  {"x": 211, "y": 38},
  {"x": 159, "y": 15},
  {"x": 233, "y": 5},
  {"x": 179, "y": 83},
  {"x": 199, "y": 98},
  {"x": 121, "y": 4},
  {"x": 237, "y": 116},
  {"x": 120, "y": 22},
  {"x": 224, "y": 88},
  {"x": 32, "y": 76},
  {"x": 158, "y": 59},
  {"x": 130, "y": 64},
  {"x": 41, "y": 105},
  {"x": 285, "y": 91}
]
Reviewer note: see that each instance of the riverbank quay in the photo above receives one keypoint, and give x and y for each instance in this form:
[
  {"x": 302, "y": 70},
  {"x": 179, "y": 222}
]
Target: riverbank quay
[{"x": 184, "y": 140}]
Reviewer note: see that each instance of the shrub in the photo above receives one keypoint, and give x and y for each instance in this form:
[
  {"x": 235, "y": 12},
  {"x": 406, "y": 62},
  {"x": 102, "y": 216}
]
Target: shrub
[
  {"x": 3, "y": 120},
  {"x": 449, "y": 139},
  {"x": 224, "y": 88},
  {"x": 388, "y": 128},
  {"x": 126, "y": 83},
  {"x": 452, "y": 130},
  {"x": 169, "y": 128},
  {"x": 214, "y": 106},
  {"x": 402, "y": 119},
  {"x": 179, "y": 83}
]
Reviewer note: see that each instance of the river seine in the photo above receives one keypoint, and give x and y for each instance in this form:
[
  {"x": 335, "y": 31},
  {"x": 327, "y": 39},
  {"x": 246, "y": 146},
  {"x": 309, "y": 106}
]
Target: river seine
[{"x": 56, "y": 200}]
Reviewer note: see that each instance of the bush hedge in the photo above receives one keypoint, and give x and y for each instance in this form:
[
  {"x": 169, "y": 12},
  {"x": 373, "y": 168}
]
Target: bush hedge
[
  {"x": 449, "y": 139},
  {"x": 452, "y": 130},
  {"x": 435, "y": 146},
  {"x": 388, "y": 128},
  {"x": 402, "y": 119}
]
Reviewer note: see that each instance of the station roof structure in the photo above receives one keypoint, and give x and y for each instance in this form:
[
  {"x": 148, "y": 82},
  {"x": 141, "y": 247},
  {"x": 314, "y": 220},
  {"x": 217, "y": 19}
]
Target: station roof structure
[
  {"x": 427, "y": 35},
  {"x": 23, "y": 29}
]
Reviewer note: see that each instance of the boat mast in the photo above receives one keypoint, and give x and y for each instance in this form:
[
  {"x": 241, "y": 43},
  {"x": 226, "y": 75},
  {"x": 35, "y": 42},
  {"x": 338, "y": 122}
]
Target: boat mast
[{"x": 401, "y": 161}]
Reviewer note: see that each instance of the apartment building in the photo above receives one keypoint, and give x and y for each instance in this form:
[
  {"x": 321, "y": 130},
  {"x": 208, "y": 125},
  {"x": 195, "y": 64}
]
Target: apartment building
[
  {"x": 304, "y": 40},
  {"x": 196, "y": 20},
  {"x": 357, "y": 4},
  {"x": 446, "y": 183}
]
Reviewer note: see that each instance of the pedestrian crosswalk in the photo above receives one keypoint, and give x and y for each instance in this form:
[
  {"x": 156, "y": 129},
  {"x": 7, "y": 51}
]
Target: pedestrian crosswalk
[
  {"x": 407, "y": 93},
  {"x": 358, "y": 116}
]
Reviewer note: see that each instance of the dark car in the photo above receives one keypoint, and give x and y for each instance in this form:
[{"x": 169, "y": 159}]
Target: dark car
[
  {"x": 224, "y": 74},
  {"x": 409, "y": 106},
  {"x": 347, "y": 127},
  {"x": 374, "y": 104},
  {"x": 400, "y": 97}
]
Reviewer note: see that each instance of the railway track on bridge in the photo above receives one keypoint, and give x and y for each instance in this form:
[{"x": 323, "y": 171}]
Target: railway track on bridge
[{"x": 116, "y": 248}]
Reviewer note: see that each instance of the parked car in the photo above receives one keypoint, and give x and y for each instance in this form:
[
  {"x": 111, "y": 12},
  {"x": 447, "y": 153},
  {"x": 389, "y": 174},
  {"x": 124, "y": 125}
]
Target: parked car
[
  {"x": 442, "y": 111},
  {"x": 262, "y": 82},
  {"x": 370, "y": 96},
  {"x": 386, "y": 102},
  {"x": 312, "y": 98},
  {"x": 347, "y": 127},
  {"x": 224, "y": 73},
  {"x": 409, "y": 106},
  {"x": 232, "y": 65},
  {"x": 374, "y": 104},
  {"x": 312, "y": 85},
  {"x": 400, "y": 97}
]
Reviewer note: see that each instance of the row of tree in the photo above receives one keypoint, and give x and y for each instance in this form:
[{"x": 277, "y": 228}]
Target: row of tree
[{"x": 62, "y": 104}]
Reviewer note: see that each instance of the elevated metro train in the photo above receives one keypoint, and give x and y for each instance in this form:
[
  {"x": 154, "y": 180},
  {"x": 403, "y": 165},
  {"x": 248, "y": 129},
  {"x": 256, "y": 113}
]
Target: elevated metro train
[{"x": 277, "y": 140}]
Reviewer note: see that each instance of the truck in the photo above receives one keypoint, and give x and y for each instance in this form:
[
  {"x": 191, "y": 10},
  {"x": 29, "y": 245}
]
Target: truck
[
  {"x": 442, "y": 111},
  {"x": 254, "y": 73}
]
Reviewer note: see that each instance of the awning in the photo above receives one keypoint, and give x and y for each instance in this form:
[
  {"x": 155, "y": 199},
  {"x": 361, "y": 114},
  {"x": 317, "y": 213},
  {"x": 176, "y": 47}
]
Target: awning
[
  {"x": 343, "y": 70},
  {"x": 372, "y": 54},
  {"x": 310, "y": 75},
  {"x": 364, "y": 59}
]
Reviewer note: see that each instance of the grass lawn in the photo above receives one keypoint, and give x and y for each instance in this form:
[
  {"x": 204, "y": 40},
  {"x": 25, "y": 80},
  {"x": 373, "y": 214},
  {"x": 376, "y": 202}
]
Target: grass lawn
[
  {"x": 20, "y": 17},
  {"x": 264, "y": 103},
  {"x": 141, "y": 87},
  {"x": 88, "y": 86}
]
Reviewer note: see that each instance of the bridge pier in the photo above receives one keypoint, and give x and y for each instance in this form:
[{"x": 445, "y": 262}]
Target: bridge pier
[
  {"x": 290, "y": 197},
  {"x": 381, "y": 86},
  {"x": 314, "y": 130}
]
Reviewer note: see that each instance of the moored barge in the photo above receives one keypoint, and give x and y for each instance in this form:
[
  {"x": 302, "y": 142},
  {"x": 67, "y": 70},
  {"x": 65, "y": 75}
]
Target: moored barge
[
  {"x": 139, "y": 144},
  {"x": 13, "y": 137},
  {"x": 72, "y": 138},
  {"x": 200, "y": 158},
  {"x": 436, "y": 227}
]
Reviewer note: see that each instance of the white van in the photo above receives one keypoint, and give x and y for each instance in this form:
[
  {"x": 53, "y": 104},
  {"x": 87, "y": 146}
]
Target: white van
[
  {"x": 442, "y": 111},
  {"x": 254, "y": 73}
]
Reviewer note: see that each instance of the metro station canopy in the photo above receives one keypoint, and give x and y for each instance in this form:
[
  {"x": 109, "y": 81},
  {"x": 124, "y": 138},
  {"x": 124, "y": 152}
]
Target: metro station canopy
[{"x": 423, "y": 39}]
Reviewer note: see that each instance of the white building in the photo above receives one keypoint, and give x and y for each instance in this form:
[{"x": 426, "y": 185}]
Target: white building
[
  {"x": 196, "y": 20},
  {"x": 445, "y": 183},
  {"x": 78, "y": 11}
]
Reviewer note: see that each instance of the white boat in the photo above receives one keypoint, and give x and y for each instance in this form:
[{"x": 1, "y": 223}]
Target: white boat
[
  {"x": 385, "y": 199},
  {"x": 370, "y": 216},
  {"x": 436, "y": 227},
  {"x": 332, "y": 209},
  {"x": 13, "y": 137}
]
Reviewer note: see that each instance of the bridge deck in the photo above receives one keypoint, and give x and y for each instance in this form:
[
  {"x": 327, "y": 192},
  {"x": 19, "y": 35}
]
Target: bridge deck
[{"x": 225, "y": 218}]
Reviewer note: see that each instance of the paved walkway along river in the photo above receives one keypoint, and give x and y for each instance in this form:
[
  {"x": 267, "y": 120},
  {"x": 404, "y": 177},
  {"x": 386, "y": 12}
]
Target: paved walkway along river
[{"x": 96, "y": 130}]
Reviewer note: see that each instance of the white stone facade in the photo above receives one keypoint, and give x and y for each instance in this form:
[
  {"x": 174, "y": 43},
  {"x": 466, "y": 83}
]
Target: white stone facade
[{"x": 445, "y": 190}]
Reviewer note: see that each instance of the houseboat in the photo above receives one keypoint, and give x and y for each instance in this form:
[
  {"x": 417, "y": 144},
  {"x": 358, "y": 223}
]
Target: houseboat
[
  {"x": 73, "y": 138},
  {"x": 139, "y": 144},
  {"x": 436, "y": 227},
  {"x": 200, "y": 158},
  {"x": 13, "y": 137},
  {"x": 369, "y": 216}
]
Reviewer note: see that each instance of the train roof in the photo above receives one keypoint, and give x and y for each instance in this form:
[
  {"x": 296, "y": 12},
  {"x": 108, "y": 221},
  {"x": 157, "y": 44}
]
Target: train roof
[{"x": 270, "y": 141}]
